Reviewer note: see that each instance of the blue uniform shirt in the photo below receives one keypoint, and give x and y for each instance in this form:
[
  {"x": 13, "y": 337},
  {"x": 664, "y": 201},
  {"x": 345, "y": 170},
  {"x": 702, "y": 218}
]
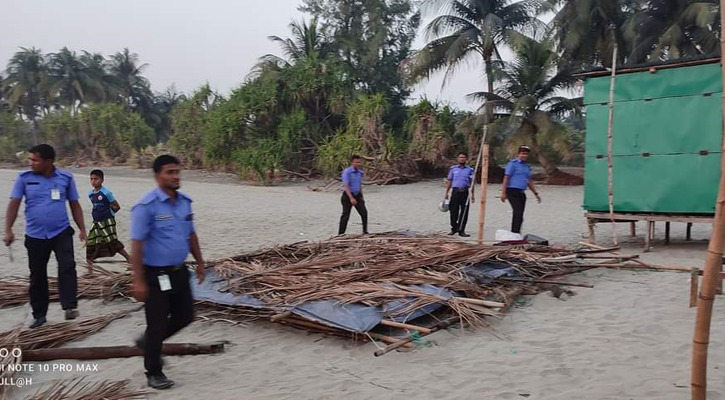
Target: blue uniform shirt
[
  {"x": 101, "y": 201},
  {"x": 164, "y": 226},
  {"x": 353, "y": 178},
  {"x": 519, "y": 173},
  {"x": 460, "y": 176},
  {"x": 46, "y": 215}
]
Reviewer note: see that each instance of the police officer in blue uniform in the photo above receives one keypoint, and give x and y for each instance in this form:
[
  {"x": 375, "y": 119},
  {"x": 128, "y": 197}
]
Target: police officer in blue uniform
[
  {"x": 46, "y": 190},
  {"x": 163, "y": 234},
  {"x": 517, "y": 178},
  {"x": 461, "y": 180}
]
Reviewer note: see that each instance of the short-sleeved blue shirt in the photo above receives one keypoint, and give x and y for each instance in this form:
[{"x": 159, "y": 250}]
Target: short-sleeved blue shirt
[
  {"x": 519, "y": 173},
  {"x": 46, "y": 215},
  {"x": 460, "y": 176},
  {"x": 101, "y": 201},
  {"x": 164, "y": 226},
  {"x": 353, "y": 178}
]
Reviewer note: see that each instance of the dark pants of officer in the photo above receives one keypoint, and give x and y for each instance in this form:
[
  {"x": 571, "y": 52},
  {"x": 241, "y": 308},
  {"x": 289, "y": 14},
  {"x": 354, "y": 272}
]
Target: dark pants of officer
[
  {"x": 347, "y": 207},
  {"x": 38, "y": 256},
  {"x": 517, "y": 198},
  {"x": 459, "y": 211},
  {"x": 167, "y": 312}
]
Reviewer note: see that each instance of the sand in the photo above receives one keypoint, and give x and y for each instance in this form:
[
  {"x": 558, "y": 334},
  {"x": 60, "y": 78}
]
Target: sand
[{"x": 627, "y": 338}]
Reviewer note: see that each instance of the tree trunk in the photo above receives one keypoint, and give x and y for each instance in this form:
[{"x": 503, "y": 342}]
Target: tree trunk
[{"x": 549, "y": 167}]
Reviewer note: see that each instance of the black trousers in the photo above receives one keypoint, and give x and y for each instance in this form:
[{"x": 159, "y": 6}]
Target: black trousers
[
  {"x": 458, "y": 210},
  {"x": 167, "y": 312},
  {"x": 517, "y": 198},
  {"x": 347, "y": 207},
  {"x": 38, "y": 257}
]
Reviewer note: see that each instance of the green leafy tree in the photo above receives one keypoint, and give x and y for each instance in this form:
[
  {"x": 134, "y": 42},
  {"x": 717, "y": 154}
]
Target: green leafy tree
[
  {"x": 529, "y": 93},
  {"x": 97, "y": 69},
  {"x": 189, "y": 118},
  {"x": 372, "y": 38},
  {"x": 134, "y": 89}
]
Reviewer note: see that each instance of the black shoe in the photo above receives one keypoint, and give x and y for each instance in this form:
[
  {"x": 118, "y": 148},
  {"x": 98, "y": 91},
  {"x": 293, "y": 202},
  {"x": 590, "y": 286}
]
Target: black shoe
[
  {"x": 453, "y": 232},
  {"x": 38, "y": 322},
  {"x": 464, "y": 234},
  {"x": 159, "y": 381},
  {"x": 71, "y": 314}
]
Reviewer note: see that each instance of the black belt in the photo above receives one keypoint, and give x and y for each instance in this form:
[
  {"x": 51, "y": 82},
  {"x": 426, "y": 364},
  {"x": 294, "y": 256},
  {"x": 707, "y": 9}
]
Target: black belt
[
  {"x": 458, "y": 190},
  {"x": 166, "y": 269}
]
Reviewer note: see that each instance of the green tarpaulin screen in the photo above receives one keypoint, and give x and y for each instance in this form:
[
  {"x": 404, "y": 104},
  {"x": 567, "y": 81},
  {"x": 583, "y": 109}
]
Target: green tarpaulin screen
[{"x": 667, "y": 140}]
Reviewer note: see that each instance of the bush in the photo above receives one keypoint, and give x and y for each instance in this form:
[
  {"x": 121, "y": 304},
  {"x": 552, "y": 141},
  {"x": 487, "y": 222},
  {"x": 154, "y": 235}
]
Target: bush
[
  {"x": 334, "y": 155},
  {"x": 13, "y": 137},
  {"x": 263, "y": 161}
]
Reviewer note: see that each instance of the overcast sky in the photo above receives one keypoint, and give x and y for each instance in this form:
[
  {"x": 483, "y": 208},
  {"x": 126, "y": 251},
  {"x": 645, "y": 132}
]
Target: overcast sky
[{"x": 185, "y": 42}]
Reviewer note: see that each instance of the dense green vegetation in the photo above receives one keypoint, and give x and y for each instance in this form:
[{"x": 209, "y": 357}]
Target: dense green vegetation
[{"x": 341, "y": 84}]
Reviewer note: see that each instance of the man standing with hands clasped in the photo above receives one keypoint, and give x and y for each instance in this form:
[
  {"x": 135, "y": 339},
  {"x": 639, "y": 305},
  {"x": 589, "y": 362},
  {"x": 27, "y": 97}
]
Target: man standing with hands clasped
[
  {"x": 162, "y": 234},
  {"x": 515, "y": 182},
  {"x": 461, "y": 180},
  {"x": 46, "y": 190}
]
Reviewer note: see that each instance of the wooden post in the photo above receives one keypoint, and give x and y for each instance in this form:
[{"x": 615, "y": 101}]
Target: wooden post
[
  {"x": 633, "y": 229},
  {"x": 610, "y": 121},
  {"x": 650, "y": 236},
  {"x": 484, "y": 186},
  {"x": 689, "y": 231},
  {"x": 591, "y": 223},
  {"x": 694, "y": 277},
  {"x": 667, "y": 232},
  {"x": 713, "y": 262}
]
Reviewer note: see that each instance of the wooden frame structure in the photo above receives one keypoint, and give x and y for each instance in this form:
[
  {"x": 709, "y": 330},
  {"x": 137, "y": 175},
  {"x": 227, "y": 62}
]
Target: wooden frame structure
[{"x": 594, "y": 218}]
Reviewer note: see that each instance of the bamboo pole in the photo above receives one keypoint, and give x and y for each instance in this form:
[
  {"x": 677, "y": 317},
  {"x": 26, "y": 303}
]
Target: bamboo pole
[
  {"x": 99, "y": 353},
  {"x": 705, "y": 300},
  {"x": 401, "y": 325},
  {"x": 484, "y": 190},
  {"x": 610, "y": 121}
]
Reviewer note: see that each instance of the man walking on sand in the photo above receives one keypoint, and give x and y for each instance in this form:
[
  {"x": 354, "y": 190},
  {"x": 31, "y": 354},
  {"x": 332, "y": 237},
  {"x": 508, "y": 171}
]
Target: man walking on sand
[
  {"x": 103, "y": 237},
  {"x": 162, "y": 235},
  {"x": 46, "y": 190},
  {"x": 352, "y": 194},
  {"x": 515, "y": 182},
  {"x": 461, "y": 180}
]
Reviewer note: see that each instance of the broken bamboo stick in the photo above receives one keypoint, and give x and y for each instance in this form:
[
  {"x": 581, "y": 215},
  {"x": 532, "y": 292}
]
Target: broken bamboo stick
[
  {"x": 99, "y": 353},
  {"x": 402, "y": 342},
  {"x": 485, "y": 303},
  {"x": 400, "y": 325},
  {"x": 388, "y": 339},
  {"x": 545, "y": 281}
]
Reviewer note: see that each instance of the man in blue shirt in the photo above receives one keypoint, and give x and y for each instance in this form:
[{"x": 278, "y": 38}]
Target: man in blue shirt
[
  {"x": 515, "y": 182},
  {"x": 461, "y": 180},
  {"x": 352, "y": 195},
  {"x": 162, "y": 235},
  {"x": 46, "y": 190}
]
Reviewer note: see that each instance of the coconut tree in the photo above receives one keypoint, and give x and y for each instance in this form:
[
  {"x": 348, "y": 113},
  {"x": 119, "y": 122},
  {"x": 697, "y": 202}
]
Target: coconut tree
[
  {"x": 586, "y": 30},
  {"x": 70, "y": 80},
  {"x": 470, "y": 30},
  {"x": 664, "y": 29},
  {"x": 530, "y": 92},
  {"x": 26, "y": 74},
  {"x": 134, "y": 89},
  {"x": 97, "y": 69}
]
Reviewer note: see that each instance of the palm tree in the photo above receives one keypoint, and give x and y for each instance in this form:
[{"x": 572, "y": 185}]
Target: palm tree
[
  {"x": 26, "y": 75},
  {"x": 673, "y": 29},
  {"x": 530, "y": 93},
  {"x": 472, "y": 29},
  {"x": 586, "y": 30},
  {"x": 134, "y": 89},
  {"x": 307, "y": 41},
  {"x": 97, "y": 69},
  {"x": 70, "y": 80}
]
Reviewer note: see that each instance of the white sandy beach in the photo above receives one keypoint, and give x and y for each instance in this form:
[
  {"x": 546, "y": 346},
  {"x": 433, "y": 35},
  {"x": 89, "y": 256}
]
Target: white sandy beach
[{"x": 627, "y": 338}]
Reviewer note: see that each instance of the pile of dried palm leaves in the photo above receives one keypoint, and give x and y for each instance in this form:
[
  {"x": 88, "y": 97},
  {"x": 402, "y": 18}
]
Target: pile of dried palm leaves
[
  {"x": 77, "y": 389},
  {"x": 56, "y": 335},
  {"x": 376, "y": 269},
  {"x": 102, "y": 284}
]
